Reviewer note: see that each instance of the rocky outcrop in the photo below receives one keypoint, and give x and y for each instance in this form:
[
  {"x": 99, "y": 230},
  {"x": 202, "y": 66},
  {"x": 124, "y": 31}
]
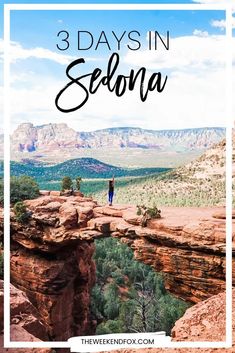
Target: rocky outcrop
[
  {"x": 205, "y": 321},
  {"x": 24, "y": 323},
  {"x": 187, "y": 245},
  {"x": 59, "y": 285},
  {"x": 53, "y": 266},
  {"x": 25, "y": 317},
  {"x": 51, "y": 255}
]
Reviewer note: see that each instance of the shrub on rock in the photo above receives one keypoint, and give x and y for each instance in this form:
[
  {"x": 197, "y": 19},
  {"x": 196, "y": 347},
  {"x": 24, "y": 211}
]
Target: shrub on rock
[
  {"x": 23, "y": 188},
  {"x": 21, "y": 213},
  {"x": 148, "y": 213}
]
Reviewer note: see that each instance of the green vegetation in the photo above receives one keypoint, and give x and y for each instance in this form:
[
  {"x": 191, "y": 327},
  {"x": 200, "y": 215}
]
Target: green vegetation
[
  {"x": 66, "y": 183},
  {"x": 1, "y": 191},
  {"x": 21, "y": 213},
  {"x": 78, "y": 181},
  {"x": 85, "y": 167},
  {"x": 167, "y": 189},
  {"x": 148, "y": 213},
  {"x": 197, "y": 184},
  {"x": 21, "y": 188},
  {"x": 129, "y": 296},
  {"x": 1, "y": 262}
]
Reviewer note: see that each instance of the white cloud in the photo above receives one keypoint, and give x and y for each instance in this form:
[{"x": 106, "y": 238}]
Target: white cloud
[
  {"x": 18, "y": 52},
  {"x": 215, "y": 2},
  {"x": 221, "y": 23},
  {"x": 193, "y": 97},
  {"x": 218, "y": 24},
  {"x": 200, "y": 33},
  {"x": 197, "y": 52},
  {"x": 1, "y": 50},
  {"x": 189, "y": 100}
]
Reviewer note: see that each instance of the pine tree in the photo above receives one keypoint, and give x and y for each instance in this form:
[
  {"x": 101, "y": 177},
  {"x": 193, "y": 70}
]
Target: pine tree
[
  {"x": 67, "y": 183},
  {"x": 78, "y": 183}
]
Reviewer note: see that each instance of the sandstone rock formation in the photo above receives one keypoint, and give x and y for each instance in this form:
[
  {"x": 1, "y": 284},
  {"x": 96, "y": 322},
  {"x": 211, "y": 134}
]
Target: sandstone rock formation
[
  {"x": 59, "y": 286},
  {"x": 49, "y": 139},
  {"x": 54, "y": 267},
  {"x": 24, "y": 324},
  {"x": 187, "y": 245},
  {"x": 24, "y": 315},
  {"x": 51, "y": 255},
  {"x": 205, "y": 321},
  {"x": 28, "y": 137}
]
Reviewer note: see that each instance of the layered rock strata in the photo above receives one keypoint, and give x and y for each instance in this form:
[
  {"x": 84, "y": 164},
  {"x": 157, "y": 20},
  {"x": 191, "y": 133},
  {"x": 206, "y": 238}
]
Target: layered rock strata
[
  {"x": 187, "y": 245},
  {"x": 51, "y": 255},
  {"x": 59, "y": 285},
  {"x": 54, "y": 267},
  {"x": 25, "y": 324}
]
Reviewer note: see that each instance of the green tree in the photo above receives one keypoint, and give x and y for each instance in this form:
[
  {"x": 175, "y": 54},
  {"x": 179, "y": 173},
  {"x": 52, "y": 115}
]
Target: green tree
[
  {"x": 66, "y": 183},
  {"x": 78, "y": 183},
  {"x": 21, "y": 213},
  {"x": 110, "y": 326},
  {"x": 1, "y": 262},
  {"x": 1, "y": 191},
  {"x": 127, "y": 311},
  {"x": 98, "y": 301},
  {"x": 23, "y": 188},
  {"x": 130, "y": 296},
  {"x": 111, "y": 308}
]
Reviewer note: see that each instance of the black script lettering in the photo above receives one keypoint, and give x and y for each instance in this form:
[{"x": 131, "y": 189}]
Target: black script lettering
[
  {"x": 118, "y": 85},
  {"x": 70, "y": 66}
]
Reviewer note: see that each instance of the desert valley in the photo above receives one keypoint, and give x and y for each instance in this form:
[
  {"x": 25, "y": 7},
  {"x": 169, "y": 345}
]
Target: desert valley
[{"x": 162, "y": 242}]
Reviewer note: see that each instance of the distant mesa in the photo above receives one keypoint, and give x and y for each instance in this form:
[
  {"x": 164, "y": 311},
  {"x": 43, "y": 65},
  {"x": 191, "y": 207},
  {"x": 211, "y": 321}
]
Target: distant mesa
[
  {"x": 128, "y": 147},
  {"x": 51, "y": 137}
]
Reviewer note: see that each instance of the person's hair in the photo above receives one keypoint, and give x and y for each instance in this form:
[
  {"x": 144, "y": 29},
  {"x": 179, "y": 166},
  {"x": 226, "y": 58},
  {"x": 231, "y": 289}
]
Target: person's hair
[{"x": 110, "y": 182}]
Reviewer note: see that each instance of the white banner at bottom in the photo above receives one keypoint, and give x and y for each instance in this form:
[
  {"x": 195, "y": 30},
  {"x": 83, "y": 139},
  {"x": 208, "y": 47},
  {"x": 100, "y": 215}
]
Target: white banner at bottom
[{"x": 85, "y": 344}]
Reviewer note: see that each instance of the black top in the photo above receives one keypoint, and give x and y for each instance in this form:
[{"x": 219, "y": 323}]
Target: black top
[{"x": 111, "y": 186}]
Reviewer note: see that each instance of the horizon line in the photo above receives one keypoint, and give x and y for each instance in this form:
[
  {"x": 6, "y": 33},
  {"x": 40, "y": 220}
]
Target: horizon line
[{"x": 121, "y": 128}]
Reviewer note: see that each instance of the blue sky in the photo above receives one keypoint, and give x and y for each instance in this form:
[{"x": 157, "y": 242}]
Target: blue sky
[{"x": 194, "y": 65}]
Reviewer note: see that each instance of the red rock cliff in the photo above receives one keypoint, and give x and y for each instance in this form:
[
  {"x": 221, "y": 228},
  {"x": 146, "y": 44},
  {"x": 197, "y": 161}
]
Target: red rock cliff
[
  {"x": 56, "y": 274},
  {"x": 187, "y": 245},
  {"x": 51, "y": 255}
]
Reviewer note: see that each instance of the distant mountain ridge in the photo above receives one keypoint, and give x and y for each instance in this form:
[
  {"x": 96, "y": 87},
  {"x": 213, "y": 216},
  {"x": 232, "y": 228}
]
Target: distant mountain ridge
[
  {"x": 84, "y": 167},
  {"x": 54, "y": 137}
]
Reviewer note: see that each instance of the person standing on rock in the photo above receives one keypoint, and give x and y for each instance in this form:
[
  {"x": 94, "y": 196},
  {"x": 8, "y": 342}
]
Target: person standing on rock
[{"x": 111, "y": 191}]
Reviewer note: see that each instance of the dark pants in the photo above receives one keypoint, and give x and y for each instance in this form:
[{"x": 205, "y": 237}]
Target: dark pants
[{"x": 111, "y": 196}]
